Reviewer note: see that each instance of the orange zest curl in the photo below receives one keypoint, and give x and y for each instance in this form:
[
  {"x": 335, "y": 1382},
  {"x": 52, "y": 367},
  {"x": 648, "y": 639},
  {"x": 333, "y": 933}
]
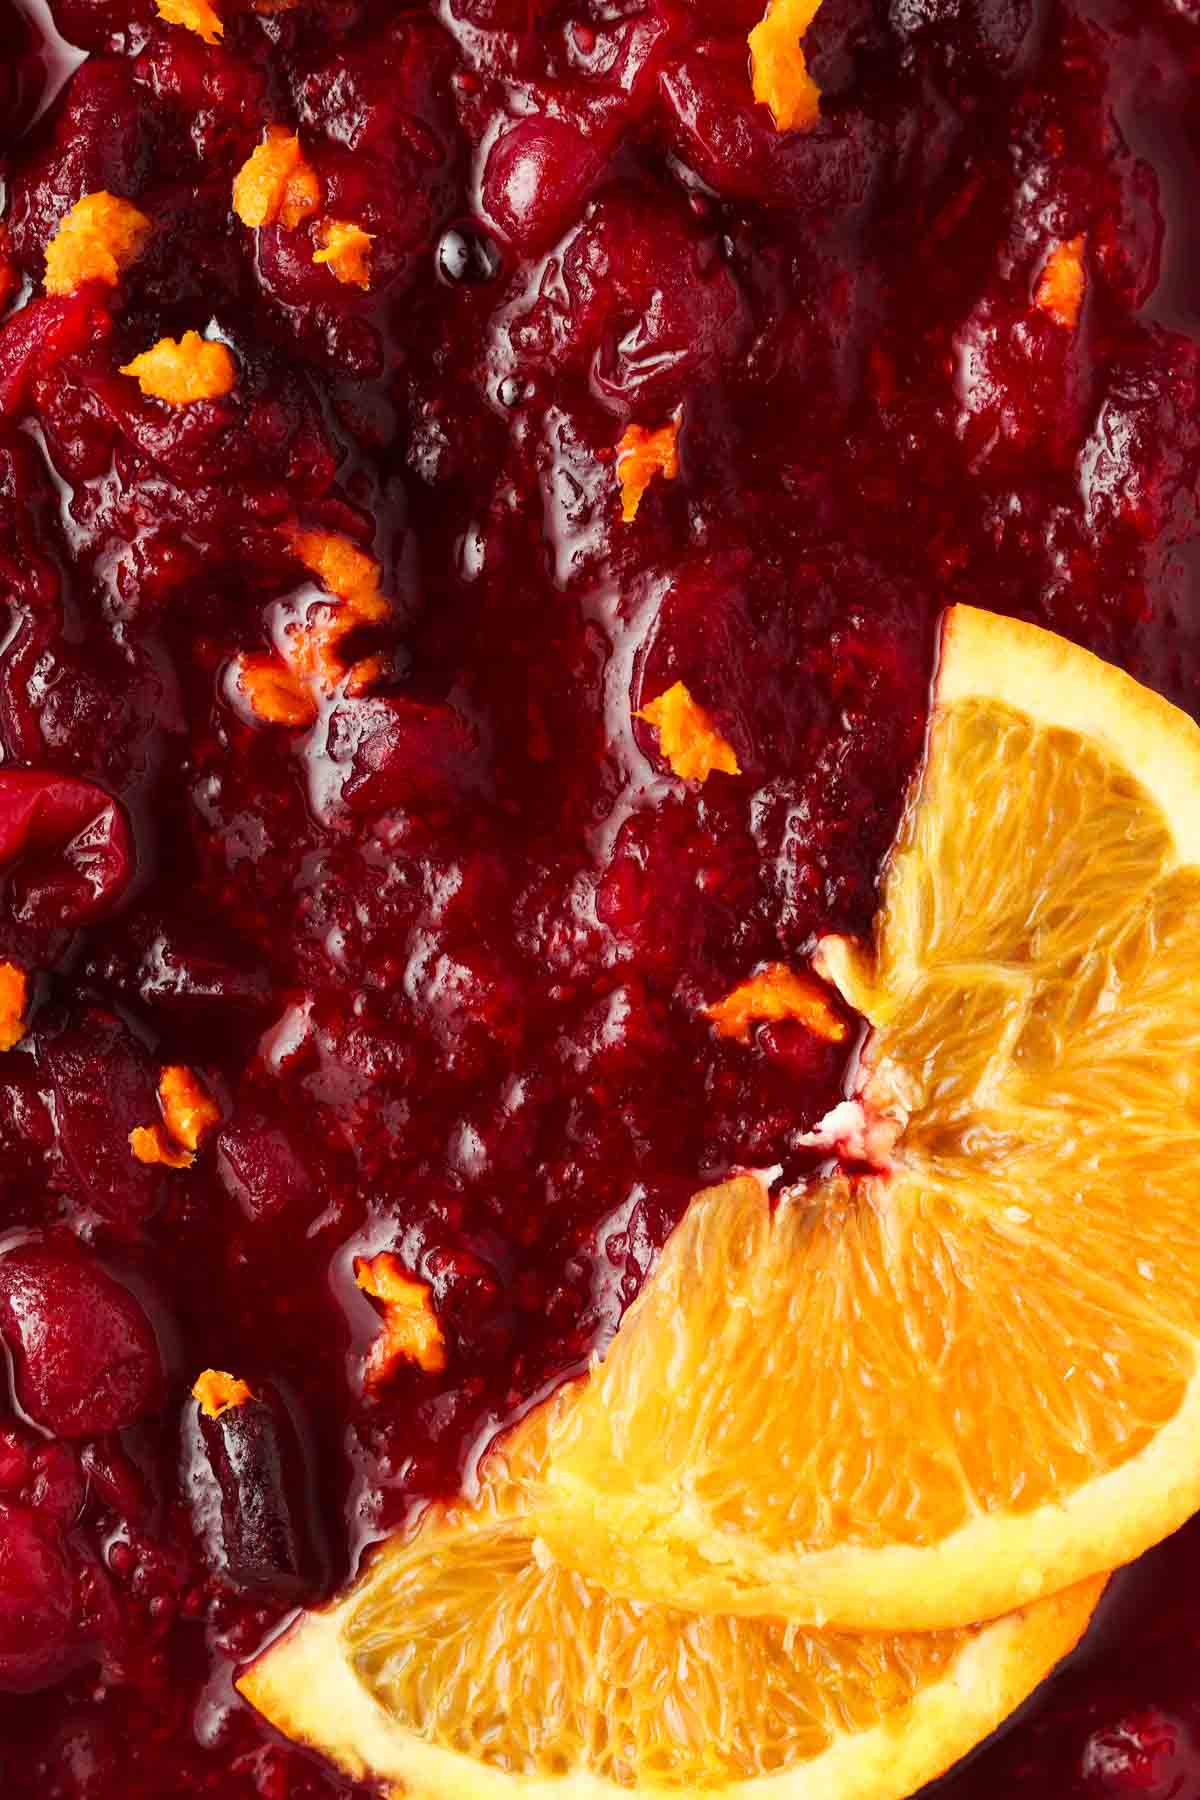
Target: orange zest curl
[
  {"x": 184, "y": 371},
  {"x": 14, "y": 998},
  {"x": 346, "y": 249},
  {"x": 1063, "y": 283},
  {"x": 217, "y": 1392},
  {"x": 276, "y": 694},
  {"x": 774, "y": 993},
  {"x": 95, "y": 241},
  {"x": 641, "y": 455},
  {"x": 188, "y": 1112},
  {"x": 276, "y": 182},
  {"x": 778, "y": 72},
  {"x": 687, "y": 737},
  {"x": 411, "y": 1332},
  {"x": 194, "y": 15}
]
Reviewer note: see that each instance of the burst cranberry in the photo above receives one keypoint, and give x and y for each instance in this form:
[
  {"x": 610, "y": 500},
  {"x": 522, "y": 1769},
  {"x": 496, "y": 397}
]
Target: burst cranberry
[{"x": 85, "y": 1357}]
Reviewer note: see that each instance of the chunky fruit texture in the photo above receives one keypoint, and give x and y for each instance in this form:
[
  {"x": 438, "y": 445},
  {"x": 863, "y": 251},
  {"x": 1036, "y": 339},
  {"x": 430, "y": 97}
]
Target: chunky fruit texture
[{"x": 429, "y": 915}]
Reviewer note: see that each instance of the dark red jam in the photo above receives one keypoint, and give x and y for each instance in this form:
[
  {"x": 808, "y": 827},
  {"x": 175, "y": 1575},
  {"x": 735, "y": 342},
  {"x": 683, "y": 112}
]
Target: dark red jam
[{"x": 440, "y": 956}]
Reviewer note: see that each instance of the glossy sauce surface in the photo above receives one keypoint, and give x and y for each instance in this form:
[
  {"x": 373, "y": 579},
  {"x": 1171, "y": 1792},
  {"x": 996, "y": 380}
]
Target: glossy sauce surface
[{"x": 442, "y": 957}]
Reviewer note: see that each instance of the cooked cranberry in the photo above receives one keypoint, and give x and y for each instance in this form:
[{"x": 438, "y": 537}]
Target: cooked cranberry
[
  {"x": 85, "y": 1356},
  {"x": 252, "y": 1453},
  {"x": 262, "y": 1166},
  {"x": 38, "y": 1645},
  {"x": 104, "y": 1088},
  {"x": 1148, "y": 1754},
  {"x": 537, "y": 177}
]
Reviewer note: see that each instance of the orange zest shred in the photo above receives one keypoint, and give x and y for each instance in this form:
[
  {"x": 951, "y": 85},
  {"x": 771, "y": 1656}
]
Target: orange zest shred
[
  {"x": 195, "y": 15},
  {"x": 150, "y": 1144},
  {"x": 778, "y": 72},
  {"x": 217, "y": 1392},
  {"x": 184, "y": 371},
  {"x": 14, "y": 998},
  {"x": 641, "y": 455},
  {"x": 339, "y": 565},
  {"x": 346, "y": 249},
  {"x": 687, "y": 737},
  {"x": 776, "y": 992},
  {"x": 276, "y": 693},
  {"x": 189, "y": 1110},
  {"x": 411, "y": 1332},
  {"x": 1063, "y": 283},
  {"x": 95, "y": 241},
  {"x": 276, "y": 182}
]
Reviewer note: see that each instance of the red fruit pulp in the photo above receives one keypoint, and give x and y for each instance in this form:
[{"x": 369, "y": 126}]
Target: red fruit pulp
[{"x": 441, "y": 957}]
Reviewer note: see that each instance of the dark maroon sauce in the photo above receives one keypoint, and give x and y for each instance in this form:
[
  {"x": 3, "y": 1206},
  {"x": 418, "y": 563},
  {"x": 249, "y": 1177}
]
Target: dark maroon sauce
[{"x": 441, "y": 958}]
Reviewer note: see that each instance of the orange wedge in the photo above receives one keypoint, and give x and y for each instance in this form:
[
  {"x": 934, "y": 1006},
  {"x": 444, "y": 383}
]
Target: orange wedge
[
  {"x": 468, "y": 1665},
  {"x": 931, "y": 1393}
]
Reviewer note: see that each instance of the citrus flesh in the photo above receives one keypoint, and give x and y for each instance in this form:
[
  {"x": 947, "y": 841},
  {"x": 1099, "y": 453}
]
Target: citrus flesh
[
  {"x": 467, "y": 1662},
  {"x": 931, "y": 1393}
]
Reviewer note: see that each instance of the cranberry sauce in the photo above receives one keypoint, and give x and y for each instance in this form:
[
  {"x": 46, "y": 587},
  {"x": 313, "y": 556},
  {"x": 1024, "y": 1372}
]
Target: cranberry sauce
[{"x": 438, "y": 947}]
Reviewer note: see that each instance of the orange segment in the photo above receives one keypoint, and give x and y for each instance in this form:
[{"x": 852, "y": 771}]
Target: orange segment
[
  {"x": 1063, "y": 283},
  {"x": 346, "y": 250},
  {"x": 411, "y": 1332},
  {"x": 100, "y": 236},
  {"x": 467, "y": 1664},
  {"x": 641, "y": 455},
  {"x": 184, "y": 371},
  {"x": 217, "y": 1391},
  {"x": 276, "y": 182},
  {"x": 687, "y": 737},
  {"x": 778, "y": 71},
  {"x": 776, "y": 992},
  {"x": 916, "y": 1397}
]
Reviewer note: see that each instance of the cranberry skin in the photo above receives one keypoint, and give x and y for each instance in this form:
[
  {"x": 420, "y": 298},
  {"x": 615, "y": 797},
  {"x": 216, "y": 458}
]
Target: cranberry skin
[
  {"x": 38, "y": 1642},
  {"x": 537, "y": 178},
  {"x": 85, "y": 1356}
]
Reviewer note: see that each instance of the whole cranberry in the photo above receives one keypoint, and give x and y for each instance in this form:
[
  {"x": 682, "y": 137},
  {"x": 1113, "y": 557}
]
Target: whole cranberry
[
  {"x": 537, "y": 178},
  {"x": 85, "y": 1357},
  {"x": 38, "y": 1640}
]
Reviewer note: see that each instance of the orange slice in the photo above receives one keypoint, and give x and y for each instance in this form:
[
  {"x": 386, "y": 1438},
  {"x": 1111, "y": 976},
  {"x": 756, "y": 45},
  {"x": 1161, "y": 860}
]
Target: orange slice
[
  {"x": 932, "y": 1393},
  {"x": 467, "y": 1662}
]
